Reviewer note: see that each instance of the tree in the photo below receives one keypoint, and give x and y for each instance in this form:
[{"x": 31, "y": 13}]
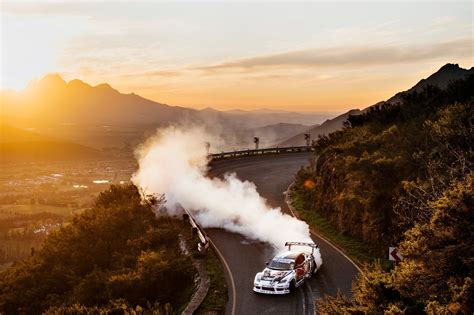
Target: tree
[
  {"x": 435, "y": 275},
  {"x": 117, "y": 250}
]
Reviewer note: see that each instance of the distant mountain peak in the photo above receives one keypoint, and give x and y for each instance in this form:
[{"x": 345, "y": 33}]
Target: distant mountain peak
[
  {"x": 53, "y": 77},
  {"x": 105, "y": 87},
  {"x": 54, "y": 81},
  {"x": 51, "y": 81},
  {"x": 449, "y": 66},
  {"x": 441, "y": 78},
  {"x": 76, "y": 83},
  {"x": 209, "y": 109}
]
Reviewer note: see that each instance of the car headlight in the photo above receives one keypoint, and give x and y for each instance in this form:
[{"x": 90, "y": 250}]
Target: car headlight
[{"x": 284, "y": 280}]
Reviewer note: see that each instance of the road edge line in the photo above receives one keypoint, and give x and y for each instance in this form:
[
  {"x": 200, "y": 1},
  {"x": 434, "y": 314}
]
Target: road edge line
[
  {"x": 231, "y": 277},
  {"x": 293, "y": 213}
]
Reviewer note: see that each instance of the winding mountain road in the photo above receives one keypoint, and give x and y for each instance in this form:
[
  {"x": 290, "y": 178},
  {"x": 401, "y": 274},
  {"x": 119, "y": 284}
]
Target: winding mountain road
[{"x": 244, "y": 258}]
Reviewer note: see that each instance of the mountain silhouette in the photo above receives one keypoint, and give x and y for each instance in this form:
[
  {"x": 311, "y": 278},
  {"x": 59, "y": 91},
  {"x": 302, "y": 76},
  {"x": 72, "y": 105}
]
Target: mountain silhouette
[
  {"x": 100, "y": 116},
  {"x": 52, "y": 100},
  {"x": 441, "y": 79}
]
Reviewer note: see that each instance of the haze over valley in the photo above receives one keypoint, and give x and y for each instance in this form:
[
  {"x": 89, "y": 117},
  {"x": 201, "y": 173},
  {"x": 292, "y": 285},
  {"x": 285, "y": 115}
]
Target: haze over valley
[
  {"x": 63, "y": 110},
  {"x": 53, "y": 118}
]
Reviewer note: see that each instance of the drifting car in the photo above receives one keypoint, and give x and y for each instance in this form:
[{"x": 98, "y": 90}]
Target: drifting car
[{"x": 287, "y": 270}]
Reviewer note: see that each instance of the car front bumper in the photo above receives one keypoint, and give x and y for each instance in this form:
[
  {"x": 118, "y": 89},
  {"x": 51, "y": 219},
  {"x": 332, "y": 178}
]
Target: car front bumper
[{"x": 267, "y": 288}]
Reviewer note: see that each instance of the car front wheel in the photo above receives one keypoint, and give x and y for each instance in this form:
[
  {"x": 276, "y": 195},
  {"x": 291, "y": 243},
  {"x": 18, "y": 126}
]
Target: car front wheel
[{"x": 292, "y": 285}]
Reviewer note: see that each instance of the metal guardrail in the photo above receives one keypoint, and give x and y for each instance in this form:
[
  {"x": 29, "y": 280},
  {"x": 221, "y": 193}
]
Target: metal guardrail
[
  {"x": 203, "y": 245},
  {"x": 243, "y": 153}
]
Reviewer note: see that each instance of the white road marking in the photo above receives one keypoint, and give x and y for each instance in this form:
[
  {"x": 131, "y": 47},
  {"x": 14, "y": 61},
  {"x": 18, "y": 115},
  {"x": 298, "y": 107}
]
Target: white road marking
[{"x": 234, "y": 292}]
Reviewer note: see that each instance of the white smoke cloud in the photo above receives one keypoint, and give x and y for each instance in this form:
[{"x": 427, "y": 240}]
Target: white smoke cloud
[{"x": 174, "y": 163}]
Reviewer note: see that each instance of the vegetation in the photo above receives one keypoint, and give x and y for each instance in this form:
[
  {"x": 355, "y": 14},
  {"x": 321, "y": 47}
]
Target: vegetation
[
  {"x": 371, "y": 178},
  {"x": 435, "y": 275},
  {"x": 115, "y": 255},
  {"x": 401, "y": 175},
  {"x": 357, "y": 250},
  {"x": 216, "y": 298},
  {"x": 38, "y": 198},
  {"x": 21, "y": 233}
]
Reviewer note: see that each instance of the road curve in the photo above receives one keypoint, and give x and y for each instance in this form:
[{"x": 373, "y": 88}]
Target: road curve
[{"x": 244, "y": 258}]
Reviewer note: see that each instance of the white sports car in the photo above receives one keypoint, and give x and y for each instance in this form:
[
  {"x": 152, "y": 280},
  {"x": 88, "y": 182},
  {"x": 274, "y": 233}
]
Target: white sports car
[{"x": 286, "y": 271}]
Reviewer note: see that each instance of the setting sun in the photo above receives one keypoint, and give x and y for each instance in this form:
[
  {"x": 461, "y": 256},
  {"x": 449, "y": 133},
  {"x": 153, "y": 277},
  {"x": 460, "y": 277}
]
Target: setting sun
[{"x": 31, "y": 46}]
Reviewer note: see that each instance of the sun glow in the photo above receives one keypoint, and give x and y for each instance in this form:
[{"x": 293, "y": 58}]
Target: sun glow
[{"x": 31, "y": 46}]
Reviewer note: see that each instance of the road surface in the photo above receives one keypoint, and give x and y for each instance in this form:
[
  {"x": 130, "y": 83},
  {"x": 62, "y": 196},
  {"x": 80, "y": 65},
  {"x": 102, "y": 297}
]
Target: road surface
[{"x": 272, "y": 175}]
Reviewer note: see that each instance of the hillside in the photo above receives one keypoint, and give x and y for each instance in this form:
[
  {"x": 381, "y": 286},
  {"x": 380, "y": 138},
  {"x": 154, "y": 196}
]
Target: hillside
[
  {"x": 440, "y": 79},
  {"x": 401, "y": 175},
  {"x": 12, "y": 134},
  {"x": 18, "y": 145}
]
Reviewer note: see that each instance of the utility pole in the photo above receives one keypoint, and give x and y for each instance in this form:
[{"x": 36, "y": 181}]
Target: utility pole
[
  {"x": 208, "y": 146},
  {"x": 307, "y": 137},
  {"x": 256, "y": 140}
]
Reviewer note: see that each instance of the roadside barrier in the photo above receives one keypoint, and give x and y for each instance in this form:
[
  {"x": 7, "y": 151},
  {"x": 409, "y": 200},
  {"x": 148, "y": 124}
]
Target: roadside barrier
[{"x": 244, "y": 153}]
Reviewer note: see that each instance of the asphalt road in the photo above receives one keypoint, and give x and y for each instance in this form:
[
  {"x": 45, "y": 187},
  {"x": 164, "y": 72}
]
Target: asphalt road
[{"x": 272, "y": 175}]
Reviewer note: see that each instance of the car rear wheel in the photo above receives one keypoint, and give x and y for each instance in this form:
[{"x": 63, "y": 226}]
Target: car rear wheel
[{"x": 314, "y": 268}]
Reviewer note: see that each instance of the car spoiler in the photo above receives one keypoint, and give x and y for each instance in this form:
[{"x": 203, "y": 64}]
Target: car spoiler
[{"x": 312, "y": 245}]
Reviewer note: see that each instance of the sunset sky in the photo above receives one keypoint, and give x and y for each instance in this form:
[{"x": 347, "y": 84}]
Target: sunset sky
[{"x": 313, "y": 56}]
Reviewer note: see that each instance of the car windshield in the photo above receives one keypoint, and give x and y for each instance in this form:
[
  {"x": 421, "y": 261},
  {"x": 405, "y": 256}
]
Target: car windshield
[{"x": 280, "y": 265}]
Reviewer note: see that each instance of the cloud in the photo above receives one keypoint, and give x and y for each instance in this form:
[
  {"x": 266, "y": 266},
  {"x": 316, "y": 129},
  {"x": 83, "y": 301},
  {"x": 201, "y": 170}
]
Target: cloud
[
  {"x": 351, "y": 56},
  {"x": 163, "y": 73}
]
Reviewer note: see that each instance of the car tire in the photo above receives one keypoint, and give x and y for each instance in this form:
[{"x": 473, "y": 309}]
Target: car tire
[
  {"x": 315, "y": 268},
  {"x": 292, "y": 286}
]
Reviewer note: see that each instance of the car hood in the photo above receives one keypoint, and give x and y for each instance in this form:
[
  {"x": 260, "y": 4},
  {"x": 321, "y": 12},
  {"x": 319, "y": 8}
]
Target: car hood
[{"x": 270, "y": 274}]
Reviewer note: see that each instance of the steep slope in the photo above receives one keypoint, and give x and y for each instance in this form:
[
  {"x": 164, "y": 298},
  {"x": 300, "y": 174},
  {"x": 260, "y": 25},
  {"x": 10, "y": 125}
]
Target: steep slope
[
  {"x": 441, "y": 79},
  {"x": 401, "y": 176}
]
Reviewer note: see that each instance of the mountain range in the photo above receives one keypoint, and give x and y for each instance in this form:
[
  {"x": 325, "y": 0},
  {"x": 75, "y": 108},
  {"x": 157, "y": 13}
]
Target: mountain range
[
  {"x": 95, "y": 119},
  {"x": 102, "y": 117},
  {"x": 52, "y": 100}
]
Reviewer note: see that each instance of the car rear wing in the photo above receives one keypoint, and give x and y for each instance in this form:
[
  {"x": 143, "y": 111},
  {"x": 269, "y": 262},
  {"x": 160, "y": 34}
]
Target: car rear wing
[{"x": 312, "y": 245}]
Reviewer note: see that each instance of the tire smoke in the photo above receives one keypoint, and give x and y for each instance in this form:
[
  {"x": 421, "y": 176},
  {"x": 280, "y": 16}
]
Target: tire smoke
[{"x": 174, "y": 163}]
